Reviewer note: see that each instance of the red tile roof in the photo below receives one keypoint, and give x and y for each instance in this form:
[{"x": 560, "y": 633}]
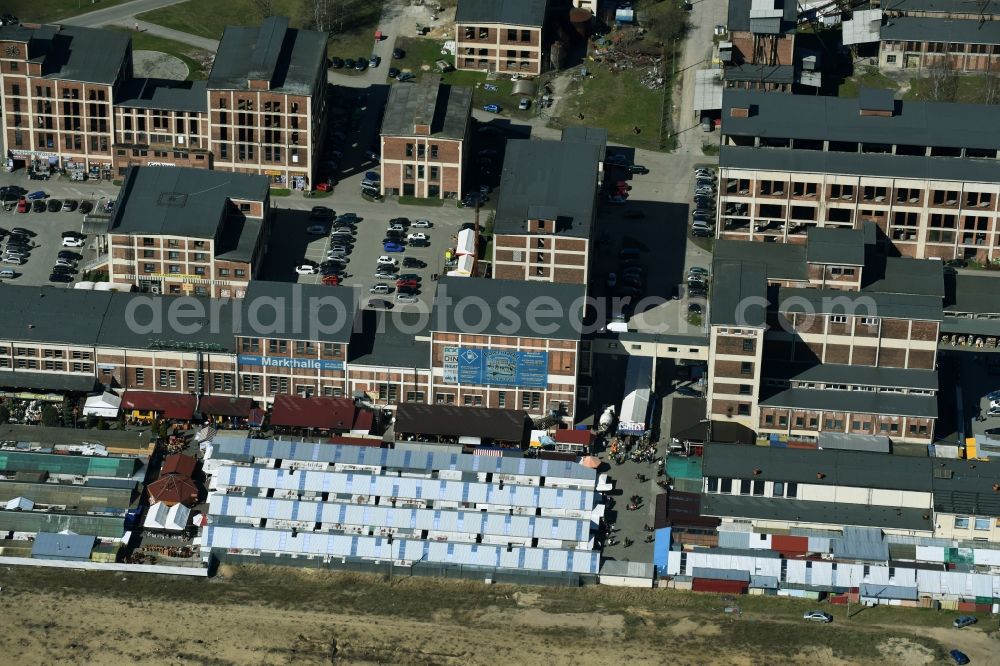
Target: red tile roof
[{"x": 317, "y": 412}]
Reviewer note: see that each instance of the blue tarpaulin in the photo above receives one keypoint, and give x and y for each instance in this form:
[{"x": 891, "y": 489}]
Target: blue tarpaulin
[{"x": 661, "y": 550}]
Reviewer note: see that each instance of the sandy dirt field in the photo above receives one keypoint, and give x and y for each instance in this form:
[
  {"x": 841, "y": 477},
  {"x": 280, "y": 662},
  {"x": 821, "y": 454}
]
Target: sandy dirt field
[{"x": 289, "y": 616}]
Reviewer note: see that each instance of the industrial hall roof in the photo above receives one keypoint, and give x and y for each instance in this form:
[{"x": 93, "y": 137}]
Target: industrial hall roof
[
  {"x": 508, "y": 12},
  {"x": 445, "y": 109},
  {"x": 320, "y": 412},
  {"x": 72, "y": 53}
]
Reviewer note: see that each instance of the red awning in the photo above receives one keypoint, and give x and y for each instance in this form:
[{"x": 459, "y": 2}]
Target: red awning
[
  {"x": 363, "y": 421},
  {"x": 581, "y": 437},
  {"x": 178, "y": 464},
  {"x": 322, "y": 413},
  {"x": 224, "y": 405},
  {"x": 179, "y": 406},
  {"x": 356, "y": 441}
]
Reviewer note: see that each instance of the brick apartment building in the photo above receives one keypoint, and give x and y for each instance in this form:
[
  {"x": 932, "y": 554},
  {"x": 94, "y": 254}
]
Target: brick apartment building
[
  {"x": 179, "y": 230},
  {"x": 425, "y": 139},
  {"x": 500, "y": 35},
  {"x": 267, "y": 101},
  {"x": 487, "y": 351},
  {"x": 760, "y": 50},
  {"x": 546, "y": 208},
  {"x": 788, "y": 164},
  {"x": 826, "y": 337},
  {"x": 59, "y": 84},
  {"x": 962, "y": 35},
  {"x": 71, "y": 101}
]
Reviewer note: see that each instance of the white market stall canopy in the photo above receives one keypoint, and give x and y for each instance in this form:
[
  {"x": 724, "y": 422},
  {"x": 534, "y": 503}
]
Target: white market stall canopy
[
  {"x": 465, "y": 266},
  {"x": 107, "y": 405},
  {"x": 171, "y": 518},
  {"x": 466, "y": 242}
]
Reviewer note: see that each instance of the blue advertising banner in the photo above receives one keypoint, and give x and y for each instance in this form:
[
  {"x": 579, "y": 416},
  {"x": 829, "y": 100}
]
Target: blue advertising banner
[
  {"x": 291, "y": 363},
  {"x": 503, "y": 368}
]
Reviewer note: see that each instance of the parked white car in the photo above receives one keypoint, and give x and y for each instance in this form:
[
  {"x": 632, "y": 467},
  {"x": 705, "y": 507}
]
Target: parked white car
[
  {"x": 385, "y": 260},
  {"x": 413, "y": 237},
  {"x": 73, "y": 242},
  {"x": 421, "y": 224},
  {"x": 306, "y": 269}
]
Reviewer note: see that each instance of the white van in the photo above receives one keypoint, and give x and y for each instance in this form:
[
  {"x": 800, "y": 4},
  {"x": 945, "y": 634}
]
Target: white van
[
  {"x": 7, "y": 274},
  {"x": 14, "y": 261}
]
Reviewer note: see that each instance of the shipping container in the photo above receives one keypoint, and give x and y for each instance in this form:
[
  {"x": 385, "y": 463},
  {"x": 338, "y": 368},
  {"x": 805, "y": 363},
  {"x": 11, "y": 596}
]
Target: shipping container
[
  {"x": 720, "y": 586},
  {"x": 967, "y": 606},
  {"x": 790, "y": 544}
]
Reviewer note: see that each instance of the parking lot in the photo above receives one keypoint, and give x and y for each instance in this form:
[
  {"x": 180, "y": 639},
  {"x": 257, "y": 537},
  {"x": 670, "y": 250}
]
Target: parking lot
[{"x": 46, "y": 228}]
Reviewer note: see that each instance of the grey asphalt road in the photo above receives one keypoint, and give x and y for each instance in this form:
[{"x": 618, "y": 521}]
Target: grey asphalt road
[{"x": 117, "y": 13}]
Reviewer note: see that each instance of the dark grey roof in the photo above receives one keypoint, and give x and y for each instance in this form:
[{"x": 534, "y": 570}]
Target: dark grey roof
[
  {"x": 291, "y": 59},
  {"x": 820, "y": 467},
  {"x": 876, "y": 99},
  {"x": 560, "y": 174},
  {"x": 239, "y": 238},
  {"x": 164, "y": 94},
  {"x": 48, "y": 314},
  {"x": 510, "y": 12},
  {"x": 971, "y": 7},
  {"x": 597, "y": 136},
  {"x": 891, "y": 166},
  {"x": 779, "y": 115},
  {"x": 852, "y": 442},
  {"x": 965, "y": 486},
  {"x": 858, "y": 375},
  {"x": 125, "y": 327},
  {"x": 445, "y": 108},
  {"x": 739, "y": 295},
  {"x": 904, "y": 275},
  {"x": 390, "y": 340},
  {"x": 859, "y": 304},
  {"x": 979, "y": 293},
  {"x": 934, "y": 29},
  {"x": 181, "y": 201},
  {"x": 783, "y": 261},
  {"x": 297, "y": 309},
  {"x": 760, "y": 73},
  {"x": 859, "y": 402},
  {"x": 740, "y": 21},
  {"x": 828, "y": 513},
  {"x": 509, "y": 307},
  {"x": 89, "y": 55},
  {"x": 835, "y": 246},
  {"x": 678, "y": 340},
  {"x": 45, "y": 381}
]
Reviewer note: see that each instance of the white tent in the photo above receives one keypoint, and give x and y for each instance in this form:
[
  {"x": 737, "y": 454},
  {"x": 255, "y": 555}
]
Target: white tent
[
  {"x": 171, "y": 518},
  {"x": 106, "y": 405},
  {"x": 466, "y": 242},
  {"x": 20, "y": 504},
  {"x": 466, "y": 264}
]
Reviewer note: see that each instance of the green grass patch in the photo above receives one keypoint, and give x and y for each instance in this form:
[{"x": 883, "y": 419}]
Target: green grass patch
[
  {"x": 407, "y": 200},
  {"x": 358, "y": 38},
  {"x": 618, "y": 102},
  {"x": 196, "y": 59},
  {"x": 870, "y": 77},
  {"x": 421, "y": 54},
  {"x": 208, "y": 18},
  {"x": 280, "y": 192},
  {"x": 966, "y": 89},
  {"x": 50, "y": 11}
]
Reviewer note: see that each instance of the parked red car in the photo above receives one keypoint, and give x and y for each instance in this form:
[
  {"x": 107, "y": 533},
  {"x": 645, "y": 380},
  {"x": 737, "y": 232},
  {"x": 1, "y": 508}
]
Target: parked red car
[
  {"x": 22, "y": 205},
  {"x": 331, "y": 280},
  {"x": 324, "y": 187},
  {"x": 406, "y": 284}
]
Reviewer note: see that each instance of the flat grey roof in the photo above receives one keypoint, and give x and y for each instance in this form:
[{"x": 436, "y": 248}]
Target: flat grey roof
[
  {"x": 210, "y": 333},
  {"x": 820, "y": 467},
  {"x": 739, "y": 15},
  {"x": 904, "y": 275},
  {"x": 783, "y": 261},
  {"x": 876, "y": 99},
  {"x": 828, "y": 513},
  {"x": 165, "y": 94},
  {"x": 394, "y": 343},
  {"x": 445, "y": 108},
  {"x": 48, "y": 314},
  {"x": 739, "y": 295},
  {"x": 62, "y": 546},
  {"x": 239, "y": 238},
  {"x": 778, "y": 115},
  {"x": 830, "y": 245},
  {"x": 291, "y": 59},
  {"x": 861, "y": 402},
  {"x": 965, "y": 169},
  {"x": 936, "y": 29},
  {"x": 47, "y": 381},
  {"x": 760, "y": 72},
  {"x": 508, "y": 307},
  {"x": 597, "y": 136},
  {"x": 965, "y": 486},
  {"x": 296, "y": 307},
  {"x": 851, "y": 442},
  {"x": 181, "y": 201},
  {"x": 979, "y": 293},
  {"x": 974, "y": 7},
  {"x": 559, "y": 174},
  {"x": 859, "y": 304},
  {"x": 860, "y": 375},
  {"x": 88, "y": 55},
  {"x": 510, "y": 12}
]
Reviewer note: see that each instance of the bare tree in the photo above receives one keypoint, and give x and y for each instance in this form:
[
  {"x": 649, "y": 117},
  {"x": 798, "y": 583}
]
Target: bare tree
[
  {"x": 263, "y": 8},
  {"x": 991, "y": 88},
  {"x": 943, "y": 81}
]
